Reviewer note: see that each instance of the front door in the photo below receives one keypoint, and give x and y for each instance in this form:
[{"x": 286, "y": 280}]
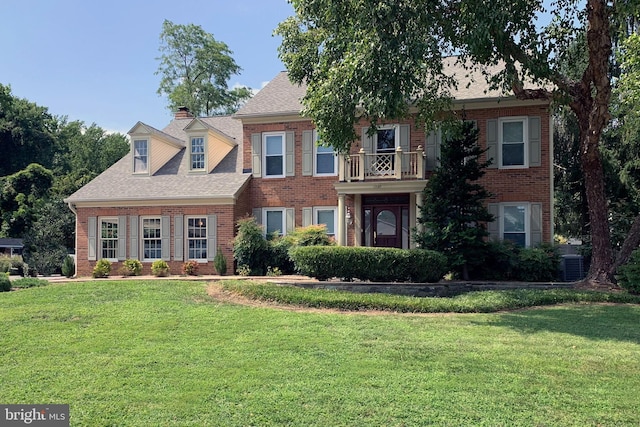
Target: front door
[{"x": 386, "y": 227}]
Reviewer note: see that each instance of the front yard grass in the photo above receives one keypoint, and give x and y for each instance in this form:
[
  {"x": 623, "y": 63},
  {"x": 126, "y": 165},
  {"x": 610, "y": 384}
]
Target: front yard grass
[{"x": 163, "y": 353}]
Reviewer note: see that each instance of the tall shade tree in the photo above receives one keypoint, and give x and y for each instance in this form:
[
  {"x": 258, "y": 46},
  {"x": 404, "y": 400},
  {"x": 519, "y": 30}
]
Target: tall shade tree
[
  {"x": 195, "y": 70},
  {"x": 374, "y": 58},
  {"x": 27, "y": 133}
]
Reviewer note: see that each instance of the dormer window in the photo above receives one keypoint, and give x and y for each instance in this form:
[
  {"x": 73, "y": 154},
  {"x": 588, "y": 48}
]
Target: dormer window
[
  {"x": 140, "y": 156},
  {"x": 197, "y": 153}
]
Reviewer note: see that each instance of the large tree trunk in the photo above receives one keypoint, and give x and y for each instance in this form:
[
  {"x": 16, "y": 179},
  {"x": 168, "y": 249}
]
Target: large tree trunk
[{"x": 591, "y": 104}]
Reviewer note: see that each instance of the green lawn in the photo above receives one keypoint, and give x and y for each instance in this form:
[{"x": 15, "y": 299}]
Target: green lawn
[{"x": 163, "y": 353}]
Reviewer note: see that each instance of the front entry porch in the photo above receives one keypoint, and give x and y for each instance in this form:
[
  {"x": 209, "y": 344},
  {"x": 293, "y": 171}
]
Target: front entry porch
[{"x": 381, "y": 214}]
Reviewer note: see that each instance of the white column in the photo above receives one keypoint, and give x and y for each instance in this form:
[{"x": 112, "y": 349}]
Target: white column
[{"x": 342, "y": 229}]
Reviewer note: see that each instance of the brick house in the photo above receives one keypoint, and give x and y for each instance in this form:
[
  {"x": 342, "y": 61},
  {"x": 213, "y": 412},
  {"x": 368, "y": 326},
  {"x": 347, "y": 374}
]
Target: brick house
[{"x": 179, "y": 192}]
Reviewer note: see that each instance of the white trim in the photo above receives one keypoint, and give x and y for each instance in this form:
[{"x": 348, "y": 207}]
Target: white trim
[
  {"x": 283, "y": 229},
  {"x": 527, "y": 220},
  {"x": 315, "y": 220},
  {"x": 133, "y": 156},
  {"x": 396, "y": 137},
  {"x": 114, "y": 220},
  {"x": 187, "y": 238},
  {"x": 204, "y": 153},
  {"x": 525, "y": 140},
  {"x": 283, "y": 136},
  {"x": 315, "y": 157},
  {"x": 143, "y": 239}
]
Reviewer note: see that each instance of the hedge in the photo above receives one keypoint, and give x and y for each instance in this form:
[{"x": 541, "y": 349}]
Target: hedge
[{"x": 370, "y": 264}]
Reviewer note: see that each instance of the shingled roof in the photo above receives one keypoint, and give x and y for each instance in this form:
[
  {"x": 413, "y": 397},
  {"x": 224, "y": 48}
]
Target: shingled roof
[
  {"x": 173, "y": 181},
  {"x": 282, "y": 97}
]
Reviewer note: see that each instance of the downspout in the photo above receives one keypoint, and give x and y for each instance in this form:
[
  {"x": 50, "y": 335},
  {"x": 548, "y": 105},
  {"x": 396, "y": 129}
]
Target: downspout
[{"x": 75, "y": 239}]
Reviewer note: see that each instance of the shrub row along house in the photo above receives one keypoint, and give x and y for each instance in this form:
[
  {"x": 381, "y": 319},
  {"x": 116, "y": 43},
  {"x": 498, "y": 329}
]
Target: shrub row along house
[{"x": 179, "y": 192}]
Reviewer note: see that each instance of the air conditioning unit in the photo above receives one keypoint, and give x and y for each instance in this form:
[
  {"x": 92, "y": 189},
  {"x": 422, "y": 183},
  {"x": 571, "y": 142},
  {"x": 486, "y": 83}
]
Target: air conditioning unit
[{"x": 572, "y": 267}]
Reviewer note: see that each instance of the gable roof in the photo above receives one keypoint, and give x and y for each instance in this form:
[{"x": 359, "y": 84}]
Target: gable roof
[
  {"x": 282, "y": 97},
  {"x": 173, "y": 181}
]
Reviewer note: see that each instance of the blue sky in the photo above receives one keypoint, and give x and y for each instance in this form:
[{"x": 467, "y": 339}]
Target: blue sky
[{"x": 95, "y": 61}]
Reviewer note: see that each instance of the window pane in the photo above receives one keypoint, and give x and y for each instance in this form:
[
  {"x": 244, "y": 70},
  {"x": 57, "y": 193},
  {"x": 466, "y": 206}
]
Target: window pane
[
  {"x": 517, "y": 238},
  {"x": 327, "y": 217},
  {"x": 367, "y": 227},
  {"x": 325, "y": 163},
  {"x": 274, "y": 165},
  {"x": 512, "y": 154},
  {"x": 197, "y": 238},
  {"x": 274, "y": 145},
  {"x": 109, "y": 238},
  {"x": 386, "y": 140},
  {"x": 274, "y": 222},
  {"x": 197, "y": 153},
  {"x": 386, "y": 223},
  {"x": 513, "y": 132},
  {"x": 514, "y": 219},
  {"x": 140, "y": 155}
]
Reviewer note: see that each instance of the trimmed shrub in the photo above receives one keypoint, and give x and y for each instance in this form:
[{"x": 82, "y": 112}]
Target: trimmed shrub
[
  {"x": 539, "y": 264},
  {"x": 279, "y": 258},
  {"x": 102, "y": 268},
  {"x": 498, "y": 263},
  {"x": 220, "y": 262},
  {"x": 131, "y": 267},
  {"x": 190, "y": 268},
  {"x": 5, "y": 264},
  {"x": 68, "y": 266},
  {"x": 29, "y": 282},
  {"x": 374, "y": 264},
  {"x": 160, "y": 268},
  {"x": 629, "y": 274},
  {"x": 311, "y": 235},
  {"x": 5, "y": 283},
  {"x": 250, "y": 247}
]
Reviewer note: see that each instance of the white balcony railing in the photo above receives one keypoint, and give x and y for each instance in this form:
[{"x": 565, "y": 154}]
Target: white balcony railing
[{"x": 369, "y": 166}]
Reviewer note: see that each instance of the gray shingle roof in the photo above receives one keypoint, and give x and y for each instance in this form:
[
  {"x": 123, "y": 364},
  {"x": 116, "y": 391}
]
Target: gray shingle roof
[
  {"x": 173, "y": 180},
  {"x": 281, "y": 97}
]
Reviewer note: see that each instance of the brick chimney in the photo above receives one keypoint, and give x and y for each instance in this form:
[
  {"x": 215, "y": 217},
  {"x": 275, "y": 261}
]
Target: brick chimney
[{"x": 183, "y": 113}]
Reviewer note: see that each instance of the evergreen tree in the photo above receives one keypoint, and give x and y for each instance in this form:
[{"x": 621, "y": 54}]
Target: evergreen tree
[{"x": 453, "y": 213}]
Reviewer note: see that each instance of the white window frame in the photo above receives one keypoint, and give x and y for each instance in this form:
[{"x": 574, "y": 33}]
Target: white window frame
[
  {"x": 203, "y": 154},
  {"x": 144, "y": 239},
  {"x": 146, "y": 157},
  {"x": 525, "y": 138},
  {"x": 265, "y": 211},
  {"x": 527, "y": 220},
  {"x": 203, "y": 238},
  {"x": 317, "y": 209},
  {"x": 283, "y": 137},
  {"x": 315, "y": 157},
  {"x": 113, "y": 240},
  {"x": 396, "y": 137}
]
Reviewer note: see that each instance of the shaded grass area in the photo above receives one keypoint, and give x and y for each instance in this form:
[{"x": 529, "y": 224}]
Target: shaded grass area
[
  {"x": 471, "y": 302},
  {"x": 162, "y": 353}
]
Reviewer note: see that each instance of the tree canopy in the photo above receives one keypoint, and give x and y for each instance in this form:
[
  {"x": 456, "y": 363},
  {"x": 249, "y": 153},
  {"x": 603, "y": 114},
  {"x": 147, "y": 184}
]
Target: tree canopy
[
  {"x": 195, "y": 69},
  {"x": 375, "y": 59}
]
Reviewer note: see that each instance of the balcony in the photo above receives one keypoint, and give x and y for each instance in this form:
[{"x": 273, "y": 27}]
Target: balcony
[{"x": 381, "y": 166}]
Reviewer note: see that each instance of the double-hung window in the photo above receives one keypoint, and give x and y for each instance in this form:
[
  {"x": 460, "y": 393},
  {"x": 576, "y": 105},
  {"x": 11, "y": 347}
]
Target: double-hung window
[
  {"x": 109, "y": 238},
  {"x": 515, "y": 223},
  {"x": 151, "y": 239},
  {"x": 140, "y": 156},
  {"x": 274, "y": 221},
  {"x": 326, "y": 216},
  {"x": 325, "y": 159},
  {"x": 197, "y": 153},
  {"x": 274, "y": 154},
  {"x": 514, "y": 151},
  {"x": 197, "y": 238}
]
